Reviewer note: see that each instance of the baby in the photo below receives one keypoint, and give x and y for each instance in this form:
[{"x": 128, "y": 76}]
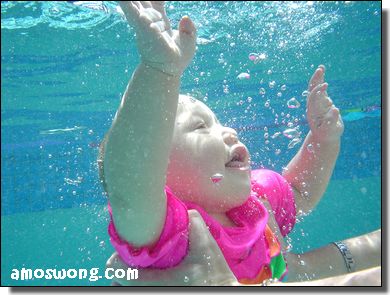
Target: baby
[{"x": 167, "y": 156}]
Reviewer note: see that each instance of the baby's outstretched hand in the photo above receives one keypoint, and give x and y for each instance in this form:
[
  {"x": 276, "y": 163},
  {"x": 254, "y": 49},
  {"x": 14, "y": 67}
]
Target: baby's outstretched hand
[
  {"x": 324, "y": 118},
  {"x": 159, "y": 46}
]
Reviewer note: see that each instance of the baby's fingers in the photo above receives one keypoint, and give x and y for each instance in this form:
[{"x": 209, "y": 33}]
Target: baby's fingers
[
  {"x": 130, "y": 9},
  {"x": 159, "y": 6},
  {"x": 318, "y": 101},
  {"x": 330, "y": 118},
  {"x": 145, "y": 4},
  {"x": 317, "y": 78}
]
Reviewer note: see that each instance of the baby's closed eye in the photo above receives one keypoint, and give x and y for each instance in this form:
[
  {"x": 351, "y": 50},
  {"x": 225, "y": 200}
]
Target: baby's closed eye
[{"x": 200, "y": 125}]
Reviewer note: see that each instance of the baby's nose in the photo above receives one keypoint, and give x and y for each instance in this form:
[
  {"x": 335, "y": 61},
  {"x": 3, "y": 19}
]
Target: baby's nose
[{"x": 229, "y": 136}]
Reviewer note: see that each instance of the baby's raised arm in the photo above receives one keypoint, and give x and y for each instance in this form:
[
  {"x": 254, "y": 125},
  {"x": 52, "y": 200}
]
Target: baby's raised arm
[
  {"x": 137, "y": 146},
  {"x": 310, "y": 170}
]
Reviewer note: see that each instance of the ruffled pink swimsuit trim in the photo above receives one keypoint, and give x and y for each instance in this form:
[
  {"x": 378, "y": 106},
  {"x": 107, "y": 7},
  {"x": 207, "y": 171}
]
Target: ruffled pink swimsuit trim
[{"x": 244, "y": 246}]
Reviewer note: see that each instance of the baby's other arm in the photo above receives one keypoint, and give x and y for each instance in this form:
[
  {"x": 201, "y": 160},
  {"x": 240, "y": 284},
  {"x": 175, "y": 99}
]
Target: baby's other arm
[
  {"x": 311, "y": 168},
  {"x": 138, "y": 143}
]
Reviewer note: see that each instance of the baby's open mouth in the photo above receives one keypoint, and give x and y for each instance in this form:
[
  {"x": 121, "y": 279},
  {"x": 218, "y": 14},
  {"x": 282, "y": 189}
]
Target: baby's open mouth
[
  {"x": 239, "y": 157},
  {"x": 236, "y": 162}
]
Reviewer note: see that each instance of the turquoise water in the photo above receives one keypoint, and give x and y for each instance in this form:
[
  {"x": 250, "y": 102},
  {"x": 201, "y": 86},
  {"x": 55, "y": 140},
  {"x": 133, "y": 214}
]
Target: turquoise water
[{"x": 65, "y": 66}]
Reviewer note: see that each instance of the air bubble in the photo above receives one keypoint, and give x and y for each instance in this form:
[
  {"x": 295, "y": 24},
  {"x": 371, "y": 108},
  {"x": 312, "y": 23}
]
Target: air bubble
[
  {"x": 283, "y": 87},
  {"x": 186, "y": 279},
  {"x": 310, "y": 148},
  {"x": 271, "y": 84},
  {"x": 291, "y": 133},
  {"x": 293, "y": 142},
  {"x": 293, "y": 103},
  {"x": 243, "y": 76},
  {"x": 305, "y": 93},
  {"x": 262, "y": 91},
  {"x": 256, "y": 58},
  {"x": 216, "y": 178},
  {"x": 253, "y": 56}
]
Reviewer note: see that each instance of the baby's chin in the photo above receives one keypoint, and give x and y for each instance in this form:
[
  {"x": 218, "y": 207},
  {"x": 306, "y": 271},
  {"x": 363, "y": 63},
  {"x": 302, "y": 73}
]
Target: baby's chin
[{"x": 224, "y": 202}]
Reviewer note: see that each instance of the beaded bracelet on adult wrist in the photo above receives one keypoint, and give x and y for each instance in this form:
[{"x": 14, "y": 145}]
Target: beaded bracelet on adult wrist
[{"x": 348, "y": 258}]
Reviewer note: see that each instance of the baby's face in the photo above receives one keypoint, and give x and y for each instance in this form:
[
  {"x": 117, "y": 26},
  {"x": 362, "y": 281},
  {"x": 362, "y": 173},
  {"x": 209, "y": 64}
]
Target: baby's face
[{"x": 203, "y": 148}]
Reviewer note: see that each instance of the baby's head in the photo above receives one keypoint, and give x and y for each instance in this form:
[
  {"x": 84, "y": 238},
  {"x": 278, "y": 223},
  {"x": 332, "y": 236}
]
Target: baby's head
[{"x": 203, "y": 148}]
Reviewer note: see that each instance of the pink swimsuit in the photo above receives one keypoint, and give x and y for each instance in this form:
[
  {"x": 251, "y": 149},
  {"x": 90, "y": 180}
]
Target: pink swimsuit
[{"x": 250, "y": 248}]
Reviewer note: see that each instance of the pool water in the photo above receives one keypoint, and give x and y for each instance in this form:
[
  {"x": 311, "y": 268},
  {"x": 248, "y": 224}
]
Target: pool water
[{"x": 65, "y": 65}]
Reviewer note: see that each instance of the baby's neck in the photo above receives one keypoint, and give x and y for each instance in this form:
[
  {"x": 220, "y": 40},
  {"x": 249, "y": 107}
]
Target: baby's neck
[{"x": 222, "y": 218}]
